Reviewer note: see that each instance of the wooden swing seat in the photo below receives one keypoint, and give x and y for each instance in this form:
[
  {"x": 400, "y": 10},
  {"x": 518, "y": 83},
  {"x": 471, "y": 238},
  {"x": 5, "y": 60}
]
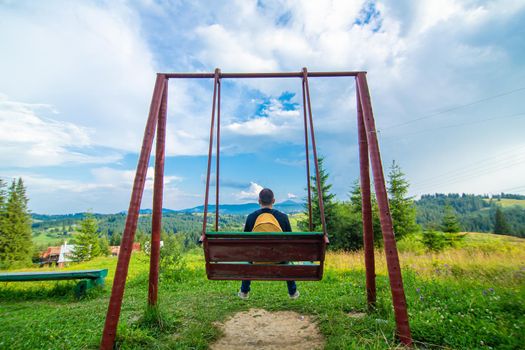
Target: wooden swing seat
[{"x": 264, "y": 256}]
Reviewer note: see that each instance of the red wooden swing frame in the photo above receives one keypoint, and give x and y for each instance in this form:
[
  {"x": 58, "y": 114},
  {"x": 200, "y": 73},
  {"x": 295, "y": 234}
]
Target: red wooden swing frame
[{"x": 368, "y": 154}]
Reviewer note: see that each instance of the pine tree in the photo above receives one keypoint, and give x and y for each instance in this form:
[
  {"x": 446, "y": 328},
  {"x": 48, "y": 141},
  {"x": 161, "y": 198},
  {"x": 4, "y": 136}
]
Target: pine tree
[
  {"x": 356, "y": 205},
  {"x": 450, "y": 221},
  {"x": 347, "y": 228},
  {"x": 402, "y": 207},
  {"x": 328, "y": 203},
  {"x": 103, "y": 243},
  {"x": 501, "y": 225},
  {"x": 3, "y": 216},
  {"x": 15, "y": 243},
  {"x": 87, "y": 244}
]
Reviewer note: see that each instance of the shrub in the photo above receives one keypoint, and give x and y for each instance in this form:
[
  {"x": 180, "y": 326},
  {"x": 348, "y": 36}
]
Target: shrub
[
  {"x": 437, "y": 241},
  {"x": 434, "y": 240},
  {"x": 411, "y": 243},
  {"x": 171, "y": 257}
]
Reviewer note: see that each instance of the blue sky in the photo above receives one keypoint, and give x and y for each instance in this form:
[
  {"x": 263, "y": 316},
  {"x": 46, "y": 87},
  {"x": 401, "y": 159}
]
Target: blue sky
[{"x": 447, "y": 80}]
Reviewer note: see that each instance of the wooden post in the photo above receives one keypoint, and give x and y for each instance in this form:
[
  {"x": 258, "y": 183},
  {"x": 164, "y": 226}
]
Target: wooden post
[
  {"x": 119, "y": 283},
  {"x": 366, "y": 208},
  {"x": 392, "y": 258},
  {"x": 158, "y": 189}
]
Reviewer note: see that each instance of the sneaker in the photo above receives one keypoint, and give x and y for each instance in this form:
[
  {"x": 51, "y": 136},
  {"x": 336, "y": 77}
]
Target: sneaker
[
  {"x": 295, "y": 295},
  {"x": 243, "y": 296}
]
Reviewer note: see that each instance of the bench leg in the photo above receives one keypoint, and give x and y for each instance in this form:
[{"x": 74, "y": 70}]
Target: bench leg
[
  {"x": 83, "y": 286},
  {"x": 99, "y": 282}
]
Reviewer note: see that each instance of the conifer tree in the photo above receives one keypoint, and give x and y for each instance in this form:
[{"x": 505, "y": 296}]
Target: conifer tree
[
  {"x": 450, "y": 221},
  {"x": 501, "y": 226},
  {"x": 87, "y": 245},
  {"x": 15, "y": 226},
  {"x": 402, "y": 207},
  {"x": 347, "y": 228},
  {"x": 328, "y": 202},
  {"x": 356, "y": 204},
  {"x": 103, "y": 243},
  {"x": 3, "y": 215}
]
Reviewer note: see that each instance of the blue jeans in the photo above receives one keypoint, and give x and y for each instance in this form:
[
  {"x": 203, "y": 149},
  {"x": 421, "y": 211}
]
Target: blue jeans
[{"x": 292, "y": 288}]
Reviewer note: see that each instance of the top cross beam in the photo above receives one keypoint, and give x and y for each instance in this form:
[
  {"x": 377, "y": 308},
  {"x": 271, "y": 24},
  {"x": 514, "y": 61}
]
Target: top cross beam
[{"x": 260, "y": 75}]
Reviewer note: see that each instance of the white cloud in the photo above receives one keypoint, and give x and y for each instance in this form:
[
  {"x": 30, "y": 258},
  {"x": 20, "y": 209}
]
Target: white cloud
[
  {"x": 251, "y": 193},
  {"x": 107, "y": 190},
  {"x": 39, "y": 184},
  {"x": 124, "y": 178},
  {"x": 230, "y": 49},
  {"x": 27, "y": 139},
  {"x": 275, "y": 122},
  {"x": 88, "y": 60},
  {"x": 292, "y": 196}
]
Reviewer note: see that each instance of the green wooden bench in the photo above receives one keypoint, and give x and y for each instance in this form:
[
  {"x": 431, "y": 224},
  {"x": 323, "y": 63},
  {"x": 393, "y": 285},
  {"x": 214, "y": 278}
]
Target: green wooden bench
[{"x": 89, "y": 278}]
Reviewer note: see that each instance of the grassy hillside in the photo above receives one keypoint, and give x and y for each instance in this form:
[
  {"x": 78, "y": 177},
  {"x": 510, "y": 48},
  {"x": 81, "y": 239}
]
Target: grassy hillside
[
  {"x": 473, "y": 297},
  {"x": 507, "y": 202},
  {"x": 474, "y": 212}
]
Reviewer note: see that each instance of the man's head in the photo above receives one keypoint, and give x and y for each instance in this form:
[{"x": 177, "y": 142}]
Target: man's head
[{"x": 266, "y": 198}]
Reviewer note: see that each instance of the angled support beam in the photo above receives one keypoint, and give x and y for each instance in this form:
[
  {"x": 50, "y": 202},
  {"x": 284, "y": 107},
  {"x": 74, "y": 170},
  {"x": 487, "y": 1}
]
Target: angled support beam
[
  {"x": 307, "y": 153},
  {"x": 158, "y": 189},
  {"x": 210, "y": 150},
  {"x": 392, "y": 258},
  {"x": 119, "y": 283},
  {"x": 366, "y": 208},
  {"x": 316, "y": 158}
]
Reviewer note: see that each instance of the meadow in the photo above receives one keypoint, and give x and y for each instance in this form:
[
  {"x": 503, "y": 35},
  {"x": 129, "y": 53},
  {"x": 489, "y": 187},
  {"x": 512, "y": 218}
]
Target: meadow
[
  {"x": 508, "y": 202},
  {"x": 470, "y": 297}
]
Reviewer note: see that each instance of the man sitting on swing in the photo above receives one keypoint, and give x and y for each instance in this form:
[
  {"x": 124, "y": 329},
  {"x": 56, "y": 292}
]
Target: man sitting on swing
[{"x": 267, "y": 219}]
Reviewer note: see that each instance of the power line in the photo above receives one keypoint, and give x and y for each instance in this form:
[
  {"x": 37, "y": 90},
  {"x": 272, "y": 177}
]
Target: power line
[
  {"x": 518, "y": 188},
  {"x": 463, "y": 124},
  {"x": 474, "y": 166},
  {"x": 483, "y": 167},
  {"x": 453, "y": 108},
  {"x": 471, "y": 173},
  {"x": 463, "y": 178}
]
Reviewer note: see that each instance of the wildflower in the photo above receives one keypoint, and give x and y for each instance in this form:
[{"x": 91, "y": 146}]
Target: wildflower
[
  {"x": 418, "y": 290},
  {"x": 421, "y": 298}
]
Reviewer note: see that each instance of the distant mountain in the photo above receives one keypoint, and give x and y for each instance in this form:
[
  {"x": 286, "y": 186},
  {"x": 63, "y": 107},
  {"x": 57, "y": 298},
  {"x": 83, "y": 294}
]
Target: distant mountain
[
  {"x": 150, "y": 211},
  {"x": 288, "y": 207}
]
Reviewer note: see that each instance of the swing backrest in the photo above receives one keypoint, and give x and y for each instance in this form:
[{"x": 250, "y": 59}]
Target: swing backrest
[{"x": 264, "y": 255}]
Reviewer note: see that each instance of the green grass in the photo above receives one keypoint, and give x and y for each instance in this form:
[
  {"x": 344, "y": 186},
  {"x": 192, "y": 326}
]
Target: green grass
[
  {"x": 294, "y": 219},
  {"x": 47, "y": 239},
  {"x": 459, "y": 299},
  {"x": 507, "y": 202}
]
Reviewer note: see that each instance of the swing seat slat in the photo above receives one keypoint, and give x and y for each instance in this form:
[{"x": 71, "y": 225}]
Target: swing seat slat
[{"x": 266, "y": 272}]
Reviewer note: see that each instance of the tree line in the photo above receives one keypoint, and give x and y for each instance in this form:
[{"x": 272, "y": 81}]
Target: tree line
[
  {"x": 476, "y": 213},
  {"x": 436, "y": 220}
]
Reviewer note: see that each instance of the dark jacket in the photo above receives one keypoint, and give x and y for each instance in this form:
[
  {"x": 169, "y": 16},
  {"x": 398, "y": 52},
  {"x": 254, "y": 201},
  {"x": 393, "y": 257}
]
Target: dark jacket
[{"x": 282, "y": 218}]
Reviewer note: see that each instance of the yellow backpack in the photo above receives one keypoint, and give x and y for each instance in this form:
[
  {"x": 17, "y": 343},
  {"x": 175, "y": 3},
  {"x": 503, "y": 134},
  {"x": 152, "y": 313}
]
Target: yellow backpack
[{"x": 266, "y": 222}]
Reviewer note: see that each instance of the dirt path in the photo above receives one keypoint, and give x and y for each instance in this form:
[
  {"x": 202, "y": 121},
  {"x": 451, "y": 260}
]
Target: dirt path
[{"x": 260, "y": 329}]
